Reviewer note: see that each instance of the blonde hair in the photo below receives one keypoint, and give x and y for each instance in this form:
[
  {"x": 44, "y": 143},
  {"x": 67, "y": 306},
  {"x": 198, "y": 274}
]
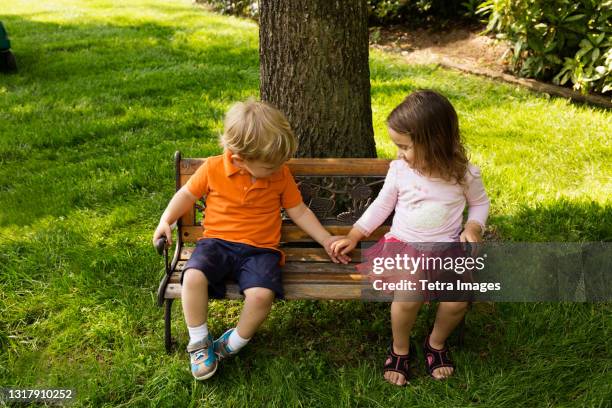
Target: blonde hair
[{"x": 257, "y": 131}]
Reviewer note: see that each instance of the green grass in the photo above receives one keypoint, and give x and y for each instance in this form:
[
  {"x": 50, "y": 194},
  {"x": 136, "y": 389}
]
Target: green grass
[{"x": 107, "y": 91}]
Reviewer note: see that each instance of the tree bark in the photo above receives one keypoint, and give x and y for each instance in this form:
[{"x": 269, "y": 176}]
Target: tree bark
[{"x": 314, "y": 68}]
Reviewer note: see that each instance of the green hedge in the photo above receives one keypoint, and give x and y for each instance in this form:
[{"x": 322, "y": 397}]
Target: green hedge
[
  {"x": 380, "y": 11},
  {"x": 242, "y": 8},
  {"x": 559, "y": 40},
  {"x": 420, "y": 12}
]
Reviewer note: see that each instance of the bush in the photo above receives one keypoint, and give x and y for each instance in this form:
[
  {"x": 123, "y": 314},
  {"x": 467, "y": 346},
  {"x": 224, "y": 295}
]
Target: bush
[
  {"x": 382, "y": 12},
  {"x": 242, "y": 8},
  {"x": 558, "y": 40}
]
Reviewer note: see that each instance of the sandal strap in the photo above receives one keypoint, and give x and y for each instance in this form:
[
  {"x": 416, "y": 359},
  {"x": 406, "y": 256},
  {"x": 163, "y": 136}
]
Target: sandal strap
[
  {"x": 397, "y": 362},
  {"x": 435, "y": 358}
]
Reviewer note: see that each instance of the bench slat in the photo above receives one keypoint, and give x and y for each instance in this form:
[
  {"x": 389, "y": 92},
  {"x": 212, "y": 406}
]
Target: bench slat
[
  {"x": 291, "y": 254},
  {"x": 312, "y": 167},
  {"x": 326, "y": 291},
  {"x": 303, "y": 278},
  {"x": 302, "y": 268},
  {"x": 291, "y": 233}
]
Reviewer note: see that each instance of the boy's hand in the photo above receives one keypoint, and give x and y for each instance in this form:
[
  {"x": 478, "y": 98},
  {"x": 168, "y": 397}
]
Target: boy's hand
[
  {"x": 163, "y": 229},
  {"x": 337, "y": 258},
  {"x": 472, "y": 233},
  {"x": 343, "y": 246}
]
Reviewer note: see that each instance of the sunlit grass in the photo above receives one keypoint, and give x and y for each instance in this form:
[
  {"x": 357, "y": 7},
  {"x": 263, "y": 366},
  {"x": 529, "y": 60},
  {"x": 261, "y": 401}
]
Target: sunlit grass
[{"x": 107, "y": 91}]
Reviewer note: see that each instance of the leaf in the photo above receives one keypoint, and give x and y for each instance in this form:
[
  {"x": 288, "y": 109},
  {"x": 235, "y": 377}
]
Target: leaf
[
  {"x": 540, "y": 27},
  {"x": 582, "y": 51},
  {"x": 566, "y": 77},
  {"x": 518, "y": 47},
  {"x": 575, "y": 17},
  {"x": 485, "y": 8},
  {"x": 550, "y": 47},
  {"x": 535, "y": 42}
]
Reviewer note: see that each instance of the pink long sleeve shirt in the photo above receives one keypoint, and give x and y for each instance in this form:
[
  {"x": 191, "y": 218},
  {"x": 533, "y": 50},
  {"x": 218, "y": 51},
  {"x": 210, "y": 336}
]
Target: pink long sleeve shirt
[{"x": 426, "y": 209}]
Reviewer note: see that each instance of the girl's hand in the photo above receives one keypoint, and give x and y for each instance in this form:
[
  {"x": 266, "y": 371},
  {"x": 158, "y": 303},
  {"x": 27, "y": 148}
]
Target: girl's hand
[
  {"x": 163, "y": 229},
  {"x": 472, "y": 233},
  {"x": 337, "y": 258},
  {"x": 343, "y": 246}
]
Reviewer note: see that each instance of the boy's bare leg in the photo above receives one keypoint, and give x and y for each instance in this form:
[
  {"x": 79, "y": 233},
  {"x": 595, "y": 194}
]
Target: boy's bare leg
[
  {"x": 448, "y": 316},
  {"x": 194, "y": 292},
  {"x": 257, "y": 305},
  {"x": 194, "y": 297},
  {"x": 403, "y": 316}
]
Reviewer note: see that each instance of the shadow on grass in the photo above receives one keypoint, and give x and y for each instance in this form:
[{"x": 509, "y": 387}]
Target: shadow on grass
[{"x": 561, "y": 220}]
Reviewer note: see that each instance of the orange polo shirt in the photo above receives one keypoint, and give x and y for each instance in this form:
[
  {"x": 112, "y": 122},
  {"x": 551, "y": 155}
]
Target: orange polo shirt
[{"x": 239, "y": 210}]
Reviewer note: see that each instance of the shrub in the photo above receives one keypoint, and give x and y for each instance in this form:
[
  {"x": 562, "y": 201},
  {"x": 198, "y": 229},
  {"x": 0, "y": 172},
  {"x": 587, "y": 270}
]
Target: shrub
[
  {"x": 242, "y": 8},
  {"x": 417, "y": 11},
  {"x": 558, "y": 40},
  {"x": 380, "y": 11}
]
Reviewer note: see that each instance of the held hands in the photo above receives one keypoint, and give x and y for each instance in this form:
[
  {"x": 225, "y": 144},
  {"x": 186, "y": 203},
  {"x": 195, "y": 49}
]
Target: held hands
[
  {"x": 343, "y": 246},
  {"x": 328, "y": 244},
  {"x": 472, "y": 233}
]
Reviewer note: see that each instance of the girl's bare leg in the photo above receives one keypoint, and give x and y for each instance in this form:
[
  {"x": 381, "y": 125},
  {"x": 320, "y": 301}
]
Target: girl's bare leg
[
  {"x": 448, "y": 316},
  {"x": 403, "y": 316}
]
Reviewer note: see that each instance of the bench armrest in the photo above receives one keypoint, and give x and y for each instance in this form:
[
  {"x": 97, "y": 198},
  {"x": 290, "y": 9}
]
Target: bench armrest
[{"x": 161, "y": 245}]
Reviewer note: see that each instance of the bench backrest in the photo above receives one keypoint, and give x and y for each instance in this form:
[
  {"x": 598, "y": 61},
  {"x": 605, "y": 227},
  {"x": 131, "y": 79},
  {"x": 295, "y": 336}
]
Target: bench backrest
[{"x": 337, "y": 190}]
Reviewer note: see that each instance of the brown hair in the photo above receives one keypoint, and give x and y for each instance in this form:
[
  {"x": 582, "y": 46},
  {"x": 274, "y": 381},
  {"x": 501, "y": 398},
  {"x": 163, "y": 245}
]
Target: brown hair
[
  {"x": 258, "y": 131},
  {"x": 431, "y": 121}
]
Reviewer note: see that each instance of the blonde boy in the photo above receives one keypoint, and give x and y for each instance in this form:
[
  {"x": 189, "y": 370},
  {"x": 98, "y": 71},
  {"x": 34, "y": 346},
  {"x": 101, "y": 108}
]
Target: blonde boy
[{"x": 245, "y": 188}]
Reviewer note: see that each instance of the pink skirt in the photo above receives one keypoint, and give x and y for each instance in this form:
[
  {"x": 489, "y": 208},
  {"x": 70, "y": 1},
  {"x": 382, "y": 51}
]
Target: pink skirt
[{"x": 417, "y": 269}]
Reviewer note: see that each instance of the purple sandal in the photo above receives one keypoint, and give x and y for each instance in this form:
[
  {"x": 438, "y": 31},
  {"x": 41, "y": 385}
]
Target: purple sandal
[
  {"x": 435, "y": 358},
  {"x": 397, "y": 363}
]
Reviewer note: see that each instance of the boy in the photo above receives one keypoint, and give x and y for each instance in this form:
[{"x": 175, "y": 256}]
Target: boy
[{"x": 245, "y": 188}]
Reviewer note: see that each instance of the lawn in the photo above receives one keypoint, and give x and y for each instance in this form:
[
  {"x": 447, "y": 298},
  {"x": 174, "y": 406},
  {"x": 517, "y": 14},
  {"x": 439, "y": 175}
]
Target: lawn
[{"x": 107, "y": 91}]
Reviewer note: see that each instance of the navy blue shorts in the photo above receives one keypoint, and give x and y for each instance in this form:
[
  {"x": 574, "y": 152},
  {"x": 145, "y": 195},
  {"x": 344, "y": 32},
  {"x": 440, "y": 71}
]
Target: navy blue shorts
[{"x": 250, "y": 266}]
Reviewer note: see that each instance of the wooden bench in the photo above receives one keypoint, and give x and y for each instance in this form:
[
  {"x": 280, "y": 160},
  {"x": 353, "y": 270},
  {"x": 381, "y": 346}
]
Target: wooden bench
[{"x": 336, "y": 190}]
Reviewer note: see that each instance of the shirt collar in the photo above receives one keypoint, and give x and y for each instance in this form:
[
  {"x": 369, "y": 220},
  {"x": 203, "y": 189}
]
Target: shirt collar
[{"x": 230, "y": 168}]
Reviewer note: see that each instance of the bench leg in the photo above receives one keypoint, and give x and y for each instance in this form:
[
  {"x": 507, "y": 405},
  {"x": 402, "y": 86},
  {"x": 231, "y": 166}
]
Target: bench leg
[{"x": 168, "y": 327}]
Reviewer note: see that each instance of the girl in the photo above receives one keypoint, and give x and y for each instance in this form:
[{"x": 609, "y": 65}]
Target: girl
[{"x": 428, "y": 186}]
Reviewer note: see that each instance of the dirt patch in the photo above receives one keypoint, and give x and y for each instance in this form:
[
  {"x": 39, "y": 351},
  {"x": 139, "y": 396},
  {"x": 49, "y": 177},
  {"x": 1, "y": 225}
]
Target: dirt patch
[{"x": 425, "y": 46}]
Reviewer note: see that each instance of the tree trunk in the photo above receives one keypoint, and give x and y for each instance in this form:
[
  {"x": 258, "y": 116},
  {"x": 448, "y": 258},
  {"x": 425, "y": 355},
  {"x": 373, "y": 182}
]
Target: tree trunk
[{"x": 314, "y": 68}]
